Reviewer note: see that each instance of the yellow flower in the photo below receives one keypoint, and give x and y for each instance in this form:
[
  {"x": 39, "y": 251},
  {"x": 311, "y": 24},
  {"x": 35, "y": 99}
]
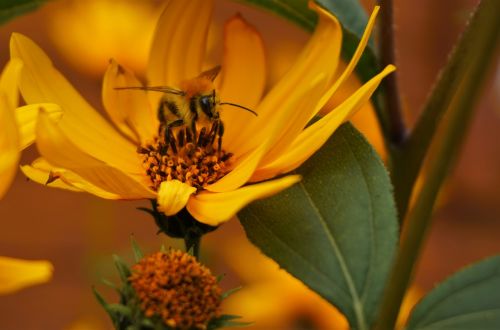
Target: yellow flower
[
  {"x": 101, "y": 35},
  {"x": 9, "y": 136},
  {"x": 81, "y": 151},
  {"x": 15, "y": 274}
]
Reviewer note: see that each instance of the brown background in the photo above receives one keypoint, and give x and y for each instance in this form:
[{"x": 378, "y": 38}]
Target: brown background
[{"x": 79, "y": 232}]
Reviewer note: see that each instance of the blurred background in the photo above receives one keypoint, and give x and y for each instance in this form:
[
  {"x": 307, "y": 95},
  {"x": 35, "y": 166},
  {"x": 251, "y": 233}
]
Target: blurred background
[{"x": 79, "y": 232}]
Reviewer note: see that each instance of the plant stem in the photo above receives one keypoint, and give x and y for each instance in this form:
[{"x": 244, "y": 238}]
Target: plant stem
[
  {"x": 407, "y": 160},
  {"x": 196, "y": 248},
  {"x": 482, "y": 49},
  {"x": 397, "y": 129},
  {"x": 192, "y": 245}
]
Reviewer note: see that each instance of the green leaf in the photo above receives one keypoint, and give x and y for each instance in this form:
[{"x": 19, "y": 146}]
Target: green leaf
[
  {"x": 12, "y": 8},
  {"x": 100, "y": 298},
  {"x": 227, "y": 320},
  {"x": 119, "y": 309},
  {"x": 468, "y": 299},
  {"x": 122, "y": 268},
  {"x": 230, "y": 292},
  {"x": 138, "y": 255},
  {"x": 228, "y": 317},
  {"x": 337, "y": 229}
]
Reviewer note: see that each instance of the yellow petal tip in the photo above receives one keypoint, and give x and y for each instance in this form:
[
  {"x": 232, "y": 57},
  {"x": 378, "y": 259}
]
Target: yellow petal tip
[{"x": 173, "y": 195}]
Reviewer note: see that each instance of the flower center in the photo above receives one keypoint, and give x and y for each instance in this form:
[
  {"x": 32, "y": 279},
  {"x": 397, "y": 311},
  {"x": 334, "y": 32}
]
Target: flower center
[
  {"x": 190, "y": 155},
  {"x": 177, "y": 288}
]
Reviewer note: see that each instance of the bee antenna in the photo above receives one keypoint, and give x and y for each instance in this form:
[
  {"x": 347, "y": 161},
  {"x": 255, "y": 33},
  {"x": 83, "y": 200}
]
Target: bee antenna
[
  {"x": 239, "y": 106},
  {"x": 161, "y": 89}
]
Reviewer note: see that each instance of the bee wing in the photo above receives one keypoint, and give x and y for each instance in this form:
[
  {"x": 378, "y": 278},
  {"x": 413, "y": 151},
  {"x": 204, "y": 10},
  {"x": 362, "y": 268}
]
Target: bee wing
[
  {"x": 211, "y": 74},
  {"x": 162, "y": 89}
]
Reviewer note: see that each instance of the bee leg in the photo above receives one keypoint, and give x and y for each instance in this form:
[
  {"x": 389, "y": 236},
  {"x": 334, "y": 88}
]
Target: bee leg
[
  {"x": 160, "y": 113},
  {"x": 171, "y": 140},
  {"x": 219, "y": 140},
  {"x": 202, "y": 137},
  {"x": 193, "y": 129},
  {"x": 168, "y": 135},
  {"x": 213, "y": 132},
  {"x": 189, "y": 135}
]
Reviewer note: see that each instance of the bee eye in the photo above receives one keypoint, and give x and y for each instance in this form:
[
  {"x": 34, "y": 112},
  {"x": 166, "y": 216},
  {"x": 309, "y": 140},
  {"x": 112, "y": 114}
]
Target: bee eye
[{"x": 206, "y": 105}]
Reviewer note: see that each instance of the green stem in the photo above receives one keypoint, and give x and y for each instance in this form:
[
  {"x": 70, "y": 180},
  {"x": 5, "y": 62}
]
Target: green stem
[
  {"x": 397, "y": 129},
  {"x": 196, "y": 247},
  {"x": 192, "y": 245},
  {"x": 407, "y": 160},
  {"x": 481, "y": 50}
]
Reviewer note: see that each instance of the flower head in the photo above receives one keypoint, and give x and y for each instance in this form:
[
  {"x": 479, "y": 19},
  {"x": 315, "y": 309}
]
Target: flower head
[
  {"x": 188, "y": 149},
  {"x": 177, "y": 288}
]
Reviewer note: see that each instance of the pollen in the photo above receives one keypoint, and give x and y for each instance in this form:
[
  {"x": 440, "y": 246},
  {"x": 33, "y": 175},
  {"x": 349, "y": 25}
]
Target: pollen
[
  {"x": 190, "y": 155},
  {"x": 176, "y": 288}
]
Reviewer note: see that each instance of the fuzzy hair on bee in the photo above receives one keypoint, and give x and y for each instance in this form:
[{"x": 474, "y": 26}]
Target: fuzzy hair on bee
[{"x": 196, "y": 102}]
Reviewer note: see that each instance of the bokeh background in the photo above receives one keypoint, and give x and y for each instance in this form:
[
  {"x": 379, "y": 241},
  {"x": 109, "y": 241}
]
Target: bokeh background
[{"x": 79, "y": 232}]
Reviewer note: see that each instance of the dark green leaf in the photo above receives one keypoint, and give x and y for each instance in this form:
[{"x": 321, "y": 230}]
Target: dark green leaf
[
  {"x": 120, "y": 309},
  {"x": 469, "y": 299},
  {"x": 122, "y": 268},
  {"x": 337, "y": 229},
  {"x": 235, "y": 324},
  {"x": 228, "y": 317},
  {"x": 12, "y": 8},
  {"x": 227, "y": 320}
]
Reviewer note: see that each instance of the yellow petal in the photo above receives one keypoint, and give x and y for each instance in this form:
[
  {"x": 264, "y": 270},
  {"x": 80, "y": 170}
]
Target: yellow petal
[
  {"x": 319, "y": 57},
  {"x": 9, "y": 82},
  {"x": 16, "y": 274},
  {"x": 173, "y": 195},
  {"x": 352, "y": 63},
  {"x": 243, "y": 75},
  {"x": 241, "y": 173},
  {"x": 42, "y": 83},
  {"x": 41, "y": 171},
  {"x": 9, "y": 145},
  {"x": 26, "y": 117},
  {"x": 245, "y": 165},
  {"x": 303, "y": 117},
  {"x": 216, "y": 208},
  {"x": 128, "y": 109},
  {"x": 314, "y": 136},
  {"x": 365, "y": 120},
  {"x": 179, "y": 42},
  {"x": 58, "y": 150}
]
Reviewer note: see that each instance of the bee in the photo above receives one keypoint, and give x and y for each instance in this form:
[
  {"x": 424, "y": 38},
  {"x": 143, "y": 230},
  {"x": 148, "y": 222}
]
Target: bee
[{"x": 195, "y": 103}]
